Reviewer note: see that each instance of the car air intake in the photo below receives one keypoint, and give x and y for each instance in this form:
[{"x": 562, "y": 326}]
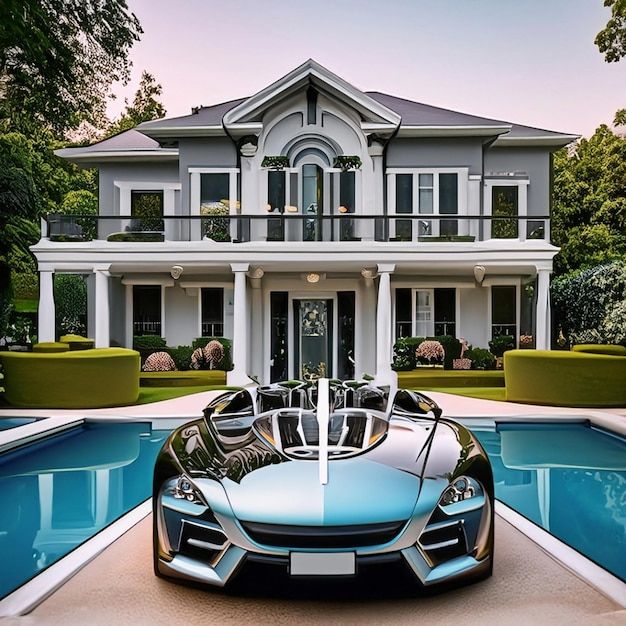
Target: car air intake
[{"x": 352, "y": 536}]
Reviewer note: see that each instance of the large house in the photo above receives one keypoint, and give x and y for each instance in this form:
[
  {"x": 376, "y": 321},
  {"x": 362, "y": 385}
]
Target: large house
[{"x": 312, "y": 223}]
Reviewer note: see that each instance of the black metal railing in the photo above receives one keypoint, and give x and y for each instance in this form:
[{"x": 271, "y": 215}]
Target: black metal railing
[
  {"x": 212, "y": 329},
  {"x": 146, "y": 327},
  {"x": 295, "y": 228}
]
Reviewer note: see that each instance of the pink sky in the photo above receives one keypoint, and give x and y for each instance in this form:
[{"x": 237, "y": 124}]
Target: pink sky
[{"x": 532, "y": 62}]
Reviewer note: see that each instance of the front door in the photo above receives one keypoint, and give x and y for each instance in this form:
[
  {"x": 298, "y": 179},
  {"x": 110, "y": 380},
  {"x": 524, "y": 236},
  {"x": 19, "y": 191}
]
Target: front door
[{"x": 313, "y": 328}]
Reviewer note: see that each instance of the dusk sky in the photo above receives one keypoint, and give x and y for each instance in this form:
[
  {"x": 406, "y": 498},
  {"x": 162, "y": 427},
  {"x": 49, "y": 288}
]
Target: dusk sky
[{"x": 532, "y": 61}]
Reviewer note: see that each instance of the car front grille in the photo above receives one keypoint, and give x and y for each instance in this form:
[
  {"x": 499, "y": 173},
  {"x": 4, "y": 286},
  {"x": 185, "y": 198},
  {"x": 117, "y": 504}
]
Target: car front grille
[{"x": 349, "y": 536}]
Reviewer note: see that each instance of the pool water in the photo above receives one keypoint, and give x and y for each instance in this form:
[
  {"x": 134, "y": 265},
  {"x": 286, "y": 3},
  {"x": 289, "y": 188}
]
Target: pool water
[
  {"x": 58, "y": 492},
  {"x": 569, "y": 479},
  {"x": 13, "y": 422}
]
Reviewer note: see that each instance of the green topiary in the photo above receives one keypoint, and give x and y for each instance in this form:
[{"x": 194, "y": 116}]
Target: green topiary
[
  {"x": 481, "y": 358},
  {"x": 181, "y": 356},
  {"x": 148, "y": 342}
]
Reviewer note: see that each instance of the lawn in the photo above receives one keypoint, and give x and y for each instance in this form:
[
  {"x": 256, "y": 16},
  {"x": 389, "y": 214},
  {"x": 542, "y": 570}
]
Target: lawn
[{"x": 156, "y": 394}]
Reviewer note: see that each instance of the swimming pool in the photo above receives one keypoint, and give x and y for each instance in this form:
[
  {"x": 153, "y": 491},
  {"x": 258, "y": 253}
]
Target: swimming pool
[
  {"x": 60, "y": 491},
  {"x": 569, "y": 478},
  {"x": 7, "y": 423}
]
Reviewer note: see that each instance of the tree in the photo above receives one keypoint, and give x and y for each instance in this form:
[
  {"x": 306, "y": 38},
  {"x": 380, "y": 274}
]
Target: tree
[
  {"x": 145, "y": 106},
  {"x": 589, "y": 208},
  {"x": 58, "y": 59},
  {"x": 611, "y": 40}
]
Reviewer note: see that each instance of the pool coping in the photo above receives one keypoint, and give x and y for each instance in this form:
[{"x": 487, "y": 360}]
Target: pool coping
[{"x": 32, "y": 593}]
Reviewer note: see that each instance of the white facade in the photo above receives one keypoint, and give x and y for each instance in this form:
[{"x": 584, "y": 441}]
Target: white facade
[{"x": 313, "y": 264}]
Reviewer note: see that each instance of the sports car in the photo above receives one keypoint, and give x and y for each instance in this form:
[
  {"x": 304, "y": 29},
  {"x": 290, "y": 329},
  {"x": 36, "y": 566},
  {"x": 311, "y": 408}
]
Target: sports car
[{"x": 322, "y": 478}]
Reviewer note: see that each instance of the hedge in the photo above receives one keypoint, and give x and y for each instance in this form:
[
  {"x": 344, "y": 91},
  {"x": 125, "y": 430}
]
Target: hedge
[
  {"x": 562, "y": 378},
  {"x": 600, "y": 348},
  {"x": 404, "y": 351},
  {"x": 81, "y": 379}
]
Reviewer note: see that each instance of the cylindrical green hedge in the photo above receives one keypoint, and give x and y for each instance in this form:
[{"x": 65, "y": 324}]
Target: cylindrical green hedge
[
  {"x": 51, "y": 346},
  {"x": 560, "y": 378},
  {"x": 600, "y": 348},
  {"x": 82, "y": 379}
]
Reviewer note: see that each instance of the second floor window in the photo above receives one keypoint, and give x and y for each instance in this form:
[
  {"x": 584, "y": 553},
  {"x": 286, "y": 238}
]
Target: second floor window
[
  {"x": 146, "y": 209},
  {"x": 504, "y": 202},
  {"x": 427, "y": 193}
]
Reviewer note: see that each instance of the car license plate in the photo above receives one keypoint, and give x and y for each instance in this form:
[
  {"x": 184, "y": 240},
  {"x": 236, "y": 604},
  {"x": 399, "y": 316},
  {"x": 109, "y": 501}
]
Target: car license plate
[{"x": 322, "y": 564}]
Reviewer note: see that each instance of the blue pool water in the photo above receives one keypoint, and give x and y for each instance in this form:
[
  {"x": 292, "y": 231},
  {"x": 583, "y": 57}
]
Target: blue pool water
[
  {"x": 568, "y": 478},
  {"x": 13, "y": 422},
  {"x": 57, "y": 493}
]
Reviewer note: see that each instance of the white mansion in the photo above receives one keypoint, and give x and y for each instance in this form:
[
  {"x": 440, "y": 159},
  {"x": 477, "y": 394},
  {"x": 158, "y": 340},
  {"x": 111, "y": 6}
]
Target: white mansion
[{"x": 312, "y": 224}]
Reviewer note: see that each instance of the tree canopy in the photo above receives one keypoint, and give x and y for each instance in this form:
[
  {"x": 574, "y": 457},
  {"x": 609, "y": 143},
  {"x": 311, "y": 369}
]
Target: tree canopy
[
  {"x": 589, "y": 204},
  {"x": 611, "y": 40},
  {"x": 58, "y": 59}
]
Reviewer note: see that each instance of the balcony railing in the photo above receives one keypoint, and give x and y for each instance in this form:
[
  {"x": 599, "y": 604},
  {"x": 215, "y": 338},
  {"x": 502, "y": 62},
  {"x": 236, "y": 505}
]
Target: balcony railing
[{"x": 296, "y": 228}]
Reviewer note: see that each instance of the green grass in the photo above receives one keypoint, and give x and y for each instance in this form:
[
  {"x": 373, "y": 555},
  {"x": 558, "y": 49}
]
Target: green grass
[
  {"x": 156, "y": 394},
  {"x": 482, "y": 393}
]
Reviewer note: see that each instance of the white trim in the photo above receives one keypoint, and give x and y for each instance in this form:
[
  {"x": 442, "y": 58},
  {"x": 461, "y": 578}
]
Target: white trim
[
  {"x": 554, "y": 140},
  {"x": 146, "y": 185},
  {"x": 126, "y": 187},
  {"x": 571, "y": 559},
  {"x": 464, "y": 130},
  {"x": 213, "y": 170},
  {"x": 128, "y": 155},
  {"x": 34, "y": 592}
]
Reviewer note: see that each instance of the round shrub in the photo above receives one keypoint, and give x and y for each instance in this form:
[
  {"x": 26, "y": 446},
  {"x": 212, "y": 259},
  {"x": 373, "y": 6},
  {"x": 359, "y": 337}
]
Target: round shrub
[
  {"x": 159, "y": 362},
  {"x": 430, "y": 352},
  {"x": 214, "y": 352}
]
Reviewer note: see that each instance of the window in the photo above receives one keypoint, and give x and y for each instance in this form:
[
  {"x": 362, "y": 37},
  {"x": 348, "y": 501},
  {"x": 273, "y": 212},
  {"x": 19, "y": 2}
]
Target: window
[
  {"x": 215, "y": 202},
  {"x": 212, "y": 312},
  {"x": 347, "y": 202},
  {"x": 147, "y": 310},
  {"x": 425, "y": 193},
  {"x": 503, "y": 310},
  {"x": 504, "y": 202},
  {"x": 276, "y": 189},
  {"x": 425, "y": 312}
]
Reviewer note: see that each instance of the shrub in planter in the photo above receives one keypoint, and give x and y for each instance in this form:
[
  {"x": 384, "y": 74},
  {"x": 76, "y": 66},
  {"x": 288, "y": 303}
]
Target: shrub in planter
[
  {"x": 404, "y": 353},
  {"x": 181, "y": 356},
  {"x": 481, "y": 358},
  {"x": 148, "y": 342},
  {"x": 430, "y": 352},
  {"x": 226, "y": 363},
  {"x": 499, "y": 345},
  {"x": 159, "y": 362}
]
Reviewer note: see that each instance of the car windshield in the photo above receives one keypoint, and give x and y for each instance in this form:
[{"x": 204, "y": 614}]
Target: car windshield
[{"x": 296, "y": 432}]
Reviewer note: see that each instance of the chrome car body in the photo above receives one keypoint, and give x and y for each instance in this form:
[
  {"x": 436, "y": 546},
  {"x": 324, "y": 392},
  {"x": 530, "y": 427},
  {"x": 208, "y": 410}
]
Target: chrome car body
[{"x": 322, "y": 478}]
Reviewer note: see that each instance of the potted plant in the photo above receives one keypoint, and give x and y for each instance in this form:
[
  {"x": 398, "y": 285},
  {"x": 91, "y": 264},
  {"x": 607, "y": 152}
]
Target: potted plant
[
  {"x": 277, "y": 162},
  {"x": 347, "y": 162}
]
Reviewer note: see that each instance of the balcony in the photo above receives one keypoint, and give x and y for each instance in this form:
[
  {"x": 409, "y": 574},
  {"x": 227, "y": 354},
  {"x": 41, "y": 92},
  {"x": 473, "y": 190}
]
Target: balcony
[{"x": 281, "y": 227}]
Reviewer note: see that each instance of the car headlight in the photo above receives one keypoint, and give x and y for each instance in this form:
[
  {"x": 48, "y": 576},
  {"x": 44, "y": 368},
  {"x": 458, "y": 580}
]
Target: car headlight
[
  {"x": 462, "y": 488},
  {"x": 184, "y": 489}
]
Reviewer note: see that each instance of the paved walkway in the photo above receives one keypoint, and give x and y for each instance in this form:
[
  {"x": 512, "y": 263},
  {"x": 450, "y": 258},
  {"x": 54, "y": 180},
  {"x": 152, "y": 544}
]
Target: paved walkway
[{"x": 528, "y": 587}]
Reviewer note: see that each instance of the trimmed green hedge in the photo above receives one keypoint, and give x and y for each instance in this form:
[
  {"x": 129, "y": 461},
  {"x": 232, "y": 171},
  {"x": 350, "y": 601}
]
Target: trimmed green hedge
[
  {"x": 561, "y": 378},
  {"x": 191, "y": 378},
  {"x": 601, "y": 348},
  {"x": 51, "y": 346},
  {"x": 82, "y": 379},
  {"x": 77, "y": 342}
]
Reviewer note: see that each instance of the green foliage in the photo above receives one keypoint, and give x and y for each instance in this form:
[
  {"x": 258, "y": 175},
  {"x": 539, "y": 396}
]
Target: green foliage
[
  {"x": 70, "y": 298},
  {"x": 481, "y": 358},
  {"x": 275, "y": 162},
  {"x": 137, "y": 237},
  {"x": 58, "y": 59},
  {"x": 147, "y": 211},
  {"x": 348, "y": 162},
  {"x": 404, "y": 351},
  {"x": 148, "y": 342},
  {"x": 25, "y": 285},
  {"x": 145, "y": 106},
  {"x": 79, "y": 202},
  {"x": 216, "y": 227},
  {"x": 589, "y": 208},
  {"x": 590, "y": 306},
  {"x": 181, "y": 356},
  {"x": 611, "y": 40},
  {"x": 499, "y": 345},
  {"x": 226, "y": 363}
]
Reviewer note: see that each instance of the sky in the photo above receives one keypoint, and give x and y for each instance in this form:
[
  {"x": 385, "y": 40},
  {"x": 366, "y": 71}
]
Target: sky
[{"x": 531, "y": 62}]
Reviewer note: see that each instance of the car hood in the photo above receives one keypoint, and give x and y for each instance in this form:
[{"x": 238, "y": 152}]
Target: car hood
[{"x": 358, "y": 491}]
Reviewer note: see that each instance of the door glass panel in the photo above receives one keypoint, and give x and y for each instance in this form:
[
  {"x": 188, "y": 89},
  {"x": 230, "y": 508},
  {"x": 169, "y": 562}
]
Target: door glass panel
[
  {"x": 212, "y": 312},
  {"x": 404, "y": 204},
  {"x": 313, "y": 317},
  {"x": 215, "y": 202},
  {"x": 278, "y": 335},
  {"x": 503, "y": 310},
  {"x": 146, "y": 310},
  {"x": 448, "y": 203},
  {"x": 311, "y": 202},
  {"x": 424, "y": 322},
  {"x": 504, "y": 202},
  {"x": 445, "y": 312},
  {"x": 345, "y": 314}
]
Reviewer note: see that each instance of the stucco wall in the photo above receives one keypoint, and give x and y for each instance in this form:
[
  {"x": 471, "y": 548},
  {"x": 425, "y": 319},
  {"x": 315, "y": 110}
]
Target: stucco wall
[
  {"x": 436, "y": 152},
  {"x": 533, "y": 161}
]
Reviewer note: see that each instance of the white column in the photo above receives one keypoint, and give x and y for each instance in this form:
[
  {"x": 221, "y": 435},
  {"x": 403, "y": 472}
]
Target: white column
[
  {"x": 384, "y": 374},
  {"x": 128, "y": 318},
  {"x": 542, "y": 339},
  {"x": 46, "y": 316},
  {"x": 103, "y": 336},
  {"x": 239, "y": 374}
]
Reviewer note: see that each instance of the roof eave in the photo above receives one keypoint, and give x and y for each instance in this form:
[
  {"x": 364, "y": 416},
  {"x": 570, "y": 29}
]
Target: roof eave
[
  {"x": 548, "y": 141},
  {"x": 117, "y": 155},
  {"x": 182, "y": 131},
  {"x": 453, "y": 131}
]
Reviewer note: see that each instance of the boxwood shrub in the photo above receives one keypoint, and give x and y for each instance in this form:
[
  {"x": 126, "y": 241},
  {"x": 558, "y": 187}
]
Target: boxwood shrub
[{"x": 404, "y": 351}]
